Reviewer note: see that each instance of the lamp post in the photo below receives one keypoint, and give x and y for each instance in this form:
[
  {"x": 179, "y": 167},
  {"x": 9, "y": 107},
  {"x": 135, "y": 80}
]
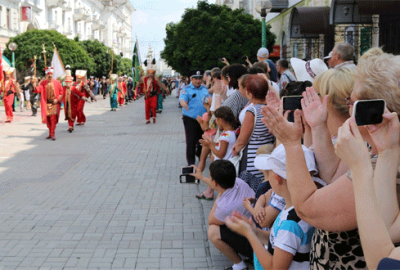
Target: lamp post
[
  {"x": 263, "y": 7},
  {"x": 12, "y": 47}
]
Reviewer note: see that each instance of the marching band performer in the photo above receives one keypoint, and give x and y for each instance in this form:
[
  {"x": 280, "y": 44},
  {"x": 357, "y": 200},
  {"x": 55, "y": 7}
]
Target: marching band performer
[{"x": 51, "y": 97}]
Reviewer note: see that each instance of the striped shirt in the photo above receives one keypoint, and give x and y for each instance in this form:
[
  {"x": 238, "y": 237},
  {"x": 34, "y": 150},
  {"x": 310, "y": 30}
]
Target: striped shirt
[
  {"x": 292, "y": 235},
  {"x": 236, "y": 102},
  {"x": 260, "y": 136}
]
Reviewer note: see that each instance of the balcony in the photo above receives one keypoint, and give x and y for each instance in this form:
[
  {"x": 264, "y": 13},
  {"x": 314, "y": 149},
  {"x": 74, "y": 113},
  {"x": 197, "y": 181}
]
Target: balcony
[
  {"x": 279, "y": 5},
  {"x": 67, "y": 31},
  {"x": 66, "y": 8},
  {"x": 229, "y": 3},
  {"x": 55, "y": 3},
  {"x": 79, "y": 14}
]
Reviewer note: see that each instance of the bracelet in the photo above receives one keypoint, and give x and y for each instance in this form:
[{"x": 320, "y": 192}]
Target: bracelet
[{"x": 217, "y": 95}]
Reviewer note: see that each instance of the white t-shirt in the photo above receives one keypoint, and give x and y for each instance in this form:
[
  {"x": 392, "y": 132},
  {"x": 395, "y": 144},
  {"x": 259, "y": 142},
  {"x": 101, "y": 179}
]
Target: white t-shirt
[
  {"x": 229, "y": 91},
  {"x": 229, "y": 137},
  {"x": 242, "y": 113}
]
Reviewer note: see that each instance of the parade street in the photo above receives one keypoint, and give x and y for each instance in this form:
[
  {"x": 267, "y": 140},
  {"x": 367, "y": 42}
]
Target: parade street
[{"x": 106, "y": 196}]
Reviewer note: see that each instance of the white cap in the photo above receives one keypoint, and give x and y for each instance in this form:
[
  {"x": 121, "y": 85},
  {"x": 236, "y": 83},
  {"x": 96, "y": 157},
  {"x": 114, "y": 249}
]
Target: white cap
[
  {"x": 263, "y": 52},
  {"x": 308, "y": 70},
  {"x": 276, "y": 161},
  {"x": 329, "y": 55}
]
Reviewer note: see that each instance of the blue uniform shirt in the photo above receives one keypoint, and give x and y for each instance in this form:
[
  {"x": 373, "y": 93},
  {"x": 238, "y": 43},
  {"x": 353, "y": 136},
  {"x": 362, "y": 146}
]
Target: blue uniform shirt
[{"x": 194, "y": 98}]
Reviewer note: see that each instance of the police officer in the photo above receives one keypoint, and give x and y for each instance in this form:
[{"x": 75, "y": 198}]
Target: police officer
[{"x": 191, "y": 100}]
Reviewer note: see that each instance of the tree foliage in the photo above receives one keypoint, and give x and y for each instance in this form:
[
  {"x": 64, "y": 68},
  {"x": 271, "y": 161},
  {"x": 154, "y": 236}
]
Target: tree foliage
[
  {"x": 30, "y": 44},
  {"x": 210, "y": 32},
  {"x": 125, "y": 67},
  {"x": 101, "y": 55}
]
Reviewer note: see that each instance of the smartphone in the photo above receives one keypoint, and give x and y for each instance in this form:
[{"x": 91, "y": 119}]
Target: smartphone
[
  {"x": 205, "y": 101},
  {"x": 291, "y": 103},
  {"x": 188, "y": 179},
  {"x": 369, "y": 112},
  {"x": 244, "y": 57},
  {"x": 221, "y": 60},
  {"x": 187, "y": 170}
]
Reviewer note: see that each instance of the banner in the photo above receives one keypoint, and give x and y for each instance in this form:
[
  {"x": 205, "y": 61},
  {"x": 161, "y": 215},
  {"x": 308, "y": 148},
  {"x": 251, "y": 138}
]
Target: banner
[
  {"x": 136, "y": 67},
  {"x": 57, "y": 65},
  {"x": 26, "y": 14}
]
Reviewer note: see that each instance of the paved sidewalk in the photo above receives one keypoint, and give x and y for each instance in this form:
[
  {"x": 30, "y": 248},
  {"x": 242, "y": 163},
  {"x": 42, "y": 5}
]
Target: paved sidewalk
[{"x": 106, "y": 196}]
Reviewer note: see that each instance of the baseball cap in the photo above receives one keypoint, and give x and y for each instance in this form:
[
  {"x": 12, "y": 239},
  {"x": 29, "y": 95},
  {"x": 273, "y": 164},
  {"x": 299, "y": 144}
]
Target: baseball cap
[
  {"x": 263, "y": 52},
  {"x": 276, "y": 161}
]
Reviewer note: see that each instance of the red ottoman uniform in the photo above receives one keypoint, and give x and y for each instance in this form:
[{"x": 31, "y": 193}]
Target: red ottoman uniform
[
  {"x": 9, "y": 89},
  {"x": 151, "y": 90},
  {"x": 50, "y": 90},
  {"x": 72, "y": 96}
]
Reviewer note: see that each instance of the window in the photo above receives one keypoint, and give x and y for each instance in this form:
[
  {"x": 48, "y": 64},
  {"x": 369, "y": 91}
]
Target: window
[
  {"x": 1, "y": 15},
  {"x": 8, "y": 18}
]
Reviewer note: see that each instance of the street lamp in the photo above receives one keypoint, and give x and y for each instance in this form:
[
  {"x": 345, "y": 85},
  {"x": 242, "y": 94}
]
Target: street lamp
[
  {"x": 12, "y": 47},
  {"x": 263, "y": 7}
]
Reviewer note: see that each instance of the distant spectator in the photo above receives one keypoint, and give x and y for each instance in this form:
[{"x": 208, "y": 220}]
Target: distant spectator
[
  {"x": 286, "y": 75},
  {"x": 342, "y": 55},
  {"x": 307, "y": 70},
  {"x": 262, "y": 56}
]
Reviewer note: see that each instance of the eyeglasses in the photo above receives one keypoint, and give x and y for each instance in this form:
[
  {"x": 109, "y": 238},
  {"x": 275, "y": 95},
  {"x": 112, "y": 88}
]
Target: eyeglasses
[{"x": 348, "y": 101}]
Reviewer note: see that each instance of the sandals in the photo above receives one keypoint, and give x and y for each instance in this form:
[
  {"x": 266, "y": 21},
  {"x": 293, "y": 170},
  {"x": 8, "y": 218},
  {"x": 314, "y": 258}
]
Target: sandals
[{"x": 202, "y": 197}]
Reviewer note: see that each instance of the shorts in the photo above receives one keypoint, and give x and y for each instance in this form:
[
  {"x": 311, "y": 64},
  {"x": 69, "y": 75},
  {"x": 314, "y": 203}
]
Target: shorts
[{"x": 239, "y": 243}]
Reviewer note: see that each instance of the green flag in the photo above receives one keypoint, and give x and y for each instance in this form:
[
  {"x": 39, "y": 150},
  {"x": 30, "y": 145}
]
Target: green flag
[{"x": 136, "y": 65}]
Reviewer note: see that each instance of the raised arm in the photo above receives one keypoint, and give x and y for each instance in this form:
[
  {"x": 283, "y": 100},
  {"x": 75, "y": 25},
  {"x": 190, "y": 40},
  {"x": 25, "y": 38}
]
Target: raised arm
[
  {"x": 386, "y": 139},
  {"x": 375, "y": 237},
  {"x": 330, "y": 208},
  {"x": 316, "y": 113}
]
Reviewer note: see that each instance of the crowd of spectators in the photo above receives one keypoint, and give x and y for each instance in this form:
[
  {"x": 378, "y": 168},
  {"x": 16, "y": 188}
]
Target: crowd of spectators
[{"x": 298, "y": 189}]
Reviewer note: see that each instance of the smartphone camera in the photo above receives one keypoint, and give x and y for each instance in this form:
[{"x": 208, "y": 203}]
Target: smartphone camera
[
  {"x": 244, "y": 58},
  {"x": 369, "y": 112},
  {"x": 292, "y": 103},
  {"x": 221, "y": 60},
  {"x": 187, "y": 170},
  {"x": 185, "y": 176},
  {"x": 205, "y": 100}
]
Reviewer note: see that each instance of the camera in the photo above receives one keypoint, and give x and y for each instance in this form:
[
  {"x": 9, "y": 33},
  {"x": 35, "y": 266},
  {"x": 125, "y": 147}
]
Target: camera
[
  {"x": 244, "y": 58},
  {"x": 221, "y": 60},
  {"x": 291, "y": 103}
]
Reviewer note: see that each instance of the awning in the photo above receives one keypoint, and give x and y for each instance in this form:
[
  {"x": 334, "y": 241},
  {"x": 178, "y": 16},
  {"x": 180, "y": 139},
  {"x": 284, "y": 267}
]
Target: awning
[
  {"x": 347, "y": 12},
  {"x": 309, "y": 22},
  {"x": 381, "y": 7}
]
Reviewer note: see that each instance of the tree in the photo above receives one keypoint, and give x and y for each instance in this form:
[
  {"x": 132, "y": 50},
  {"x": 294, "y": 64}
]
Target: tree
[
  {"x": 30, "y": 44},
  {"x": 210, "y": 32},
  {"x": 101, "y": 54},
  {"x": 125, "y": 67}
]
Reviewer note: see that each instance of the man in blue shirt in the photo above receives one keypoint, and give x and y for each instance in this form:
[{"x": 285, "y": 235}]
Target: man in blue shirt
[
  {"x": 262, "y": 56},
  {"x": 191, "y": 99}
]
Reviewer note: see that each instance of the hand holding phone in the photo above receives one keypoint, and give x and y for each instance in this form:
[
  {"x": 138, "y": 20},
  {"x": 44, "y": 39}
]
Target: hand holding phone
[
  {"x": 369, "y": 112},
  {"x": 187, "y": 170}
]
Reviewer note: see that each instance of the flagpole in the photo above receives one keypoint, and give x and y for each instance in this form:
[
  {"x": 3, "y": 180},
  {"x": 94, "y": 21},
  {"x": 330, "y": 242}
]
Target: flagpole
[
  {"x": 34, "y": 65},
  {"x": 44, "y": 55}
]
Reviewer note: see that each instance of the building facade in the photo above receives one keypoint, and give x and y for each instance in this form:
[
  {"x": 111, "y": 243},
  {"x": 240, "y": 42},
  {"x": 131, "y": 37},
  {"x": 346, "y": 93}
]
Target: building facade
[
  {"x": 309, "y": 29},
  {"x": 109, "y": 22}
]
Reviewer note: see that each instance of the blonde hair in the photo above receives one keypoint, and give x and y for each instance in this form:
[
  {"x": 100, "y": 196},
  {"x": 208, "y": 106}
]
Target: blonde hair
[
  {"x": 338, "y": 83},
  {"x": 371, "y": 52},
  {"x": 379, "y": 78},
  {"x": 266, "y": 149}
]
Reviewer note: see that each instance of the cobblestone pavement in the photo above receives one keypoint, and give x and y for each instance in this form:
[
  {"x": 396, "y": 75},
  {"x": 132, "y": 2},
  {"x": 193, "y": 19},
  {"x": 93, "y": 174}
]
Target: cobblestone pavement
[{"x": 106, "y": 196}]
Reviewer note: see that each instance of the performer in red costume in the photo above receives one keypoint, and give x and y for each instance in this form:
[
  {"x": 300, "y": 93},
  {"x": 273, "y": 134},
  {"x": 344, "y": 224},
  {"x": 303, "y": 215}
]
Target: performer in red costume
[
  {"x": 151, "y": 88},
  {"x": 121, "y": 97},
  {"x": 83, "y": 87},
  {"x": 51, "y": 96},
  {"x": 71, "y": 98},
  {"x": 9, "y": 87}
]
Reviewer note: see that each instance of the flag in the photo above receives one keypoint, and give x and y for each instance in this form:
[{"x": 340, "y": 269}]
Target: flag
[
  {"x": 136, "y": 66},
  {"x": 1, "y": 70},
  {"x": 57, "y": 65}
]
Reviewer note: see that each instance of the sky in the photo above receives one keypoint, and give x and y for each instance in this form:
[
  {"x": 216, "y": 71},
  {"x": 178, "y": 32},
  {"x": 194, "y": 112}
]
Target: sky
[{"x": 150, "y": 19}]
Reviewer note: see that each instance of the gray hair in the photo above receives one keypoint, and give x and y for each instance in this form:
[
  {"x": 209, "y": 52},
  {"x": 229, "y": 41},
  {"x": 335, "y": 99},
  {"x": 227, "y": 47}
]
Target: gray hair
[
  {"x": 345, "y": 50},
  {"x": 216, "y": 72}
]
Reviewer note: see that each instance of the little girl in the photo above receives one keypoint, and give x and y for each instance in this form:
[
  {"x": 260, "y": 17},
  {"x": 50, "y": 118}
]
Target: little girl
[{"x": 226, "y": 122}]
